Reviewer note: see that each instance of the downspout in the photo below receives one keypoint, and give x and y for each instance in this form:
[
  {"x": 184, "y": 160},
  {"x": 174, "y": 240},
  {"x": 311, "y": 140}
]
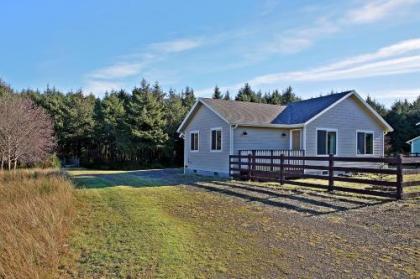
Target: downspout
[
  {"x": 232, "y": 127},
  {"x": 181, "y": 135}
]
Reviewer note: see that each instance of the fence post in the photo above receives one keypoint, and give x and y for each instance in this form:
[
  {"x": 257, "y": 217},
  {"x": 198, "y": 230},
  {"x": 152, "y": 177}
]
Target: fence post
[
  {"x": 399, "y": 159},
  {"x": 281, "y": 169},
  {"x": 230, "y": 166},
  {"x": 240, "y": 164},
  {"x": 253, "y": 162},
  {"x": 330, "y": 172},
  {"x": 272, "y": 161},
  {"x": 249, "y": 166}
]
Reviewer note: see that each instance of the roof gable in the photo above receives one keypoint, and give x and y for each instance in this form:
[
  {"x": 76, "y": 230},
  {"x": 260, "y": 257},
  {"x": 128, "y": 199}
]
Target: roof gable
[
  {"x": 302, "y": 111},
  {"x": 236, "y": 112},
  {"x": 266, "y": 115}
]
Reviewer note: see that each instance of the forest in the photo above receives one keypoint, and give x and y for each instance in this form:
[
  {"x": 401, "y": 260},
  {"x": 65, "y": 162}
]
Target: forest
[{"x": 136, "y": 129}]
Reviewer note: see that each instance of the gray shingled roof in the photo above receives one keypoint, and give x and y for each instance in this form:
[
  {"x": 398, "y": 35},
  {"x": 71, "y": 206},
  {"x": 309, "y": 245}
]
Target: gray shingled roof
[
  {"x": 247, "y": 113},
  {"x": 236, "y": 112}
]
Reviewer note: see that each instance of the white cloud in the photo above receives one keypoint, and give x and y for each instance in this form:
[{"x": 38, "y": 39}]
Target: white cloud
[
  {"x": 297, "y": 39},
  {"x": 176, "y": 45},
  {"x": 109, "y": 78},
  {"x": 119, "y": 70},
  {"x": 406, "y": 93},
  {"x": 376, "y": 10},
  {"x": 399, "y": 58},
  {"x": 99, "y": 87}
]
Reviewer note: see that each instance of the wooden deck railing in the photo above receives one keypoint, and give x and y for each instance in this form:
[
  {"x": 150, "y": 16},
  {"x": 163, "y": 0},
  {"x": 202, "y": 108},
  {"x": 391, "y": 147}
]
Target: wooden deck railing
[{"x": 282, "y": 168}]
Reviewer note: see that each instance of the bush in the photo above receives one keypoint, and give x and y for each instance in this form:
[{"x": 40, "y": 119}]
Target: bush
[{"x": 36, "y": 209}]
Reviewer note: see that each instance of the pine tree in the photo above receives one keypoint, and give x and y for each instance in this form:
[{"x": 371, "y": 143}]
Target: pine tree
[
  {"x": 217, "y": 94},
  {"x": 227, "y": 96},
  {"x": 379, "y": 108},
  {"x": 288, "y": 96},
  {"x": 246, "y": 94},
  {"x": 188, "y": 97},
  {"x": 146, "y": 120}
]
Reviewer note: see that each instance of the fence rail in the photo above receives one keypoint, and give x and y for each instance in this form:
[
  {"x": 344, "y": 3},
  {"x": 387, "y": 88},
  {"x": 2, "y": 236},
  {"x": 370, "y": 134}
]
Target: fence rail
[{"x": 286, "y": 166}]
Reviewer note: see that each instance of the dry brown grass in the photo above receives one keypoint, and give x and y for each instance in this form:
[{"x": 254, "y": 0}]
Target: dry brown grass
[{"x": 36, "y": 209}]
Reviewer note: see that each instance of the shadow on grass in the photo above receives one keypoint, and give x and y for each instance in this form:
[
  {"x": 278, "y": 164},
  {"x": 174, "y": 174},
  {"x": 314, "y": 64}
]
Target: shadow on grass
[
  {"x": 142, "y": 178},
  {"x": 313, "y": 205}
]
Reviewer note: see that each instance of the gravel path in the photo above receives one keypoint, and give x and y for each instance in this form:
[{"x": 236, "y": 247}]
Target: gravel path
[{"x": 333, "y": 235}]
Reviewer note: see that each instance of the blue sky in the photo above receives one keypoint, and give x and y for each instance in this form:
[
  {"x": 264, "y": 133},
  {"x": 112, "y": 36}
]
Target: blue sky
[{"x": 372, "y": 46}]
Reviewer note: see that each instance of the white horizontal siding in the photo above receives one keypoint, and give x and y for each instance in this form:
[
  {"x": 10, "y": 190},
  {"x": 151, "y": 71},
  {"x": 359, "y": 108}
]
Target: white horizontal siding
[
  {"x": 347, "y": 117},
  {"x": 203, "y": 120},
  {"x": 260, "y": 138}
]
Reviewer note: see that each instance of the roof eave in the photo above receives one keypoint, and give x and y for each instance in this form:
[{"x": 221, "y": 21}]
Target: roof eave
[{"x": 284, "y": 126}]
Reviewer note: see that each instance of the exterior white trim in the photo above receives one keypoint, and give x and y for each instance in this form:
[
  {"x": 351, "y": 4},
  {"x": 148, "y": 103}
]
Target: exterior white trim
[
  {"x": 221, "y": 139},
  {"x": 304, "y": 138},
  {"x": 280, "y": 126},
  {"x": 336, "y": 141},
  {"x": 215, "y": 112},
  {"x": 373, "y": 142},
  {"x": 187, "y": 117},
  {"x": 185, "y": 154},
  {"x": 198, "y": 147},
  {"x": 231, "y": 138},
  {"x": 410, "y": 141},
  {"x": 290, "y": 138},
  {"x": 354, "y": 93},
  {"x": 199, "y": 100},
  {"x": 383, "y": 144}
]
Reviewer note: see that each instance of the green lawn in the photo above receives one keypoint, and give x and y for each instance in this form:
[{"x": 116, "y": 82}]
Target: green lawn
[
  {"x": 149, "y": 225},
  {"x": 163, "y": 232}
]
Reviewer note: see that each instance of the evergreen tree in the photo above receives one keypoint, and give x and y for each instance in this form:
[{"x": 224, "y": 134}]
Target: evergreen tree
[
  {"x": 188, "y": 97},
  {"x": 274, "y": 98},
  {"x": 288, "y": 96},
  {"x": 379, "y": 108},
  {"x": 217, "y": 94},
  {"x": 246, "y": 94},
  {"x": 146, "y": 120},
  {"x": 227, "y": 96}
]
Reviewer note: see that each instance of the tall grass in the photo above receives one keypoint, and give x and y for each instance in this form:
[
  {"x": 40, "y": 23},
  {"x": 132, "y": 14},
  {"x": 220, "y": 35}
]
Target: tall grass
[{"x": 36, "y": 209}]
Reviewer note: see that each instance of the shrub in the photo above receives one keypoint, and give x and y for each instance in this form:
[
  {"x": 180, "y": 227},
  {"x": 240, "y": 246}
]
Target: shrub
[{"x": 36, "y": 209}]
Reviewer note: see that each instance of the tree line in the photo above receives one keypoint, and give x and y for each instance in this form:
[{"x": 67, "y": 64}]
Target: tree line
[{"x": 138, "y": 128}]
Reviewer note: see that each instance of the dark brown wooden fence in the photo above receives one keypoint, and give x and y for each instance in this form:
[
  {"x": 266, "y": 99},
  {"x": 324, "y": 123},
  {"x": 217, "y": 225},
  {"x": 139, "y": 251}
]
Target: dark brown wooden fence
[{"x": 294, "y": 169}]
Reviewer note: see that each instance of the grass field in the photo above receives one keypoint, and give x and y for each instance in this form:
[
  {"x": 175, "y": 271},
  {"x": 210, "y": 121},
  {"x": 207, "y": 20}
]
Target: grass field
[
  {"x": 148, "y": 225},
  {"x": 36, "y": 210},
  {"x": 164, "y": 231}
]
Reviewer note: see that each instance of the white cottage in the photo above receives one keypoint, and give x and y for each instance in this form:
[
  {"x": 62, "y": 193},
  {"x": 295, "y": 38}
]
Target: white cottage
[{"x": 342, "y": 124}]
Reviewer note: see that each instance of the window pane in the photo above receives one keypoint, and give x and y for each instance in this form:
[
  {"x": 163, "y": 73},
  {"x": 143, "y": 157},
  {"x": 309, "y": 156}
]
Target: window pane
[
  {"x": 332, "y": 143},
  {"x": 369, "y": 143},
  {"x": 321, "y": 140},
  {"x": 196, "y": 141},
  {"x": 360, "y": 143},
  {"x": 213, "y": 140},
  {"x": 219, "y": 140}
]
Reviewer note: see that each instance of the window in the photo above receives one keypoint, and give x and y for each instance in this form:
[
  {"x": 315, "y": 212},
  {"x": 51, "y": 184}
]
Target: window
[
  {"x": 326, "y": 142},
  {"x": 216, "y": 139},
  {"x": 194, "y": 141},
  {"x": 364, "y": 143}
]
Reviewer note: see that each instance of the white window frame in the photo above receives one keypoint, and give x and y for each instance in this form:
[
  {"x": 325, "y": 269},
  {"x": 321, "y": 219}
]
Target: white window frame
[
  {"x": 336, "y": 141},
  {"x": 373, "y": 142},
  {"x": 221, "y": 139},
  {"x": 198, "y": 141}
]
